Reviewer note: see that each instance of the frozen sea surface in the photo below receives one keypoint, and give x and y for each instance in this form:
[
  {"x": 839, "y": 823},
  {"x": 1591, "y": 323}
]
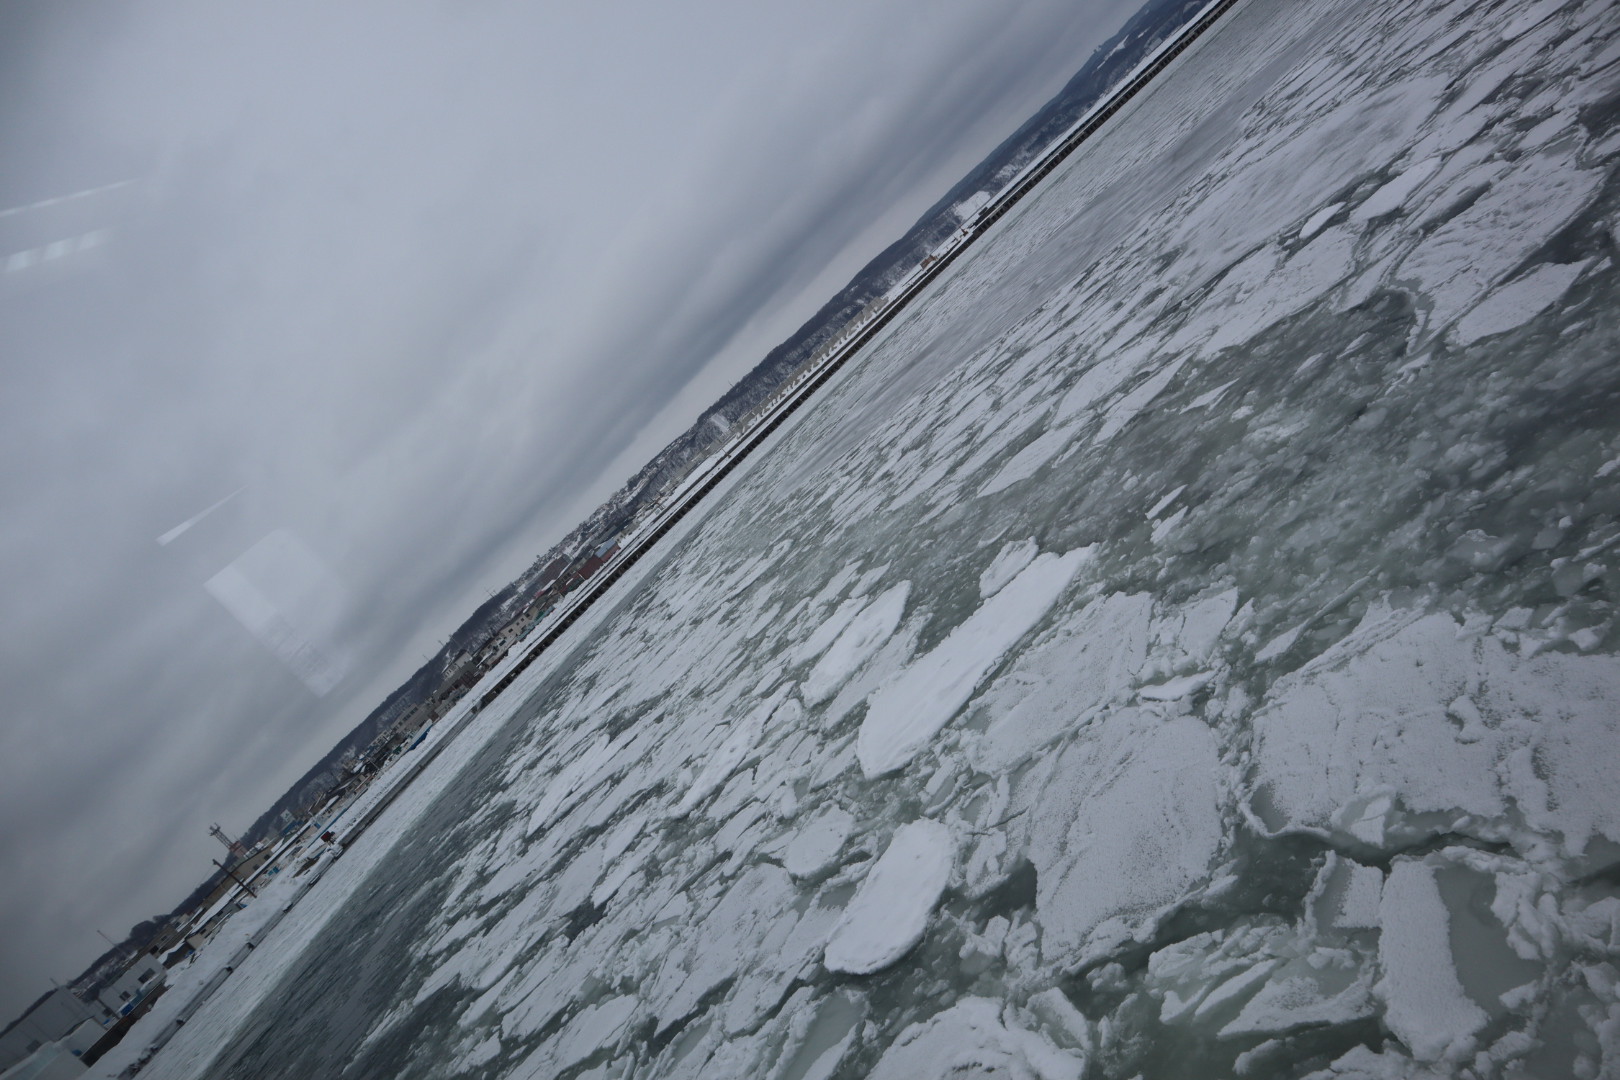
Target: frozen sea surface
[{"x": 1182, "y": 646}]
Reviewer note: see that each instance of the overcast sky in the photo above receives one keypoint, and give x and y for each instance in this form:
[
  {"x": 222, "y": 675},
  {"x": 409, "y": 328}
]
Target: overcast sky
[{"x": 412, "y": 287}]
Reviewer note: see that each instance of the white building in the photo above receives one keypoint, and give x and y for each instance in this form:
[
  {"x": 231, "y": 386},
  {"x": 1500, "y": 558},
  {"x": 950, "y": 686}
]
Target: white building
[
  {"x": 58, "y": 1013},
  {"x": 126, "y": 991}
]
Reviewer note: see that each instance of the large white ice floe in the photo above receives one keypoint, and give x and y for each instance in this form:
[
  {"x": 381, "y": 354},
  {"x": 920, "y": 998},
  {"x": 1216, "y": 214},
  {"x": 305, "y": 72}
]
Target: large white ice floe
[
  {"x": 1008, "y": 563},
  {"x": 1519, "y": 301},
  {"x": 1126, "y": 825},
  {"x": 1346, "y": 895},
  {"x": 970, "y": 1039},
  {"x": 737, "y": 744},
  {"x": 1298, "y": 764},
  {"x": 1408, "y": 716},
  {"x": 903, "y": 716},
  {"x": 889, "y": 913},
  {"x": 815, "y": 847},
  {"x": 1393, "y": 195},
  {"x": 1424, "y": 1001},
  {"x": 1090, "y": 660},
  {"x": 864, "y": 634}
]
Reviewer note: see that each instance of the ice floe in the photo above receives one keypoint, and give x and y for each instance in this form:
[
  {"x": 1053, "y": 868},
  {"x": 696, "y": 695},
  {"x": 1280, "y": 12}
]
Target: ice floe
[
  {"x": 969, "y": 1039},
  {"x": 909, "y": 711},
  {"x": 1517, "y": 302},
  {"x": 889, "y": 913},
  {"x": 815, "y": 847},
  {"x": 1008, "y": 563},
  {"x": 1125, "y": 826},
  {"x": 864, "y": 634},
  {"x": 1366, "y": 736},
  {"x": 1424, "y": 1001},
  {"x": 1393, "y": 195}
]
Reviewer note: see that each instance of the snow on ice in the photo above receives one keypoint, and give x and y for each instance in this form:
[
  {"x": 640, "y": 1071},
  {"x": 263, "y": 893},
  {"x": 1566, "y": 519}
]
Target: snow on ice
[
  {"x": 890, "y": 912},
  {"x": 910, "y": 710}
]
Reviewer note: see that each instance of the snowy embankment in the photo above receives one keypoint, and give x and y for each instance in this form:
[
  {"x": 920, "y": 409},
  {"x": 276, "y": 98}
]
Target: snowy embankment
[{"x": 191, "y": 983}]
